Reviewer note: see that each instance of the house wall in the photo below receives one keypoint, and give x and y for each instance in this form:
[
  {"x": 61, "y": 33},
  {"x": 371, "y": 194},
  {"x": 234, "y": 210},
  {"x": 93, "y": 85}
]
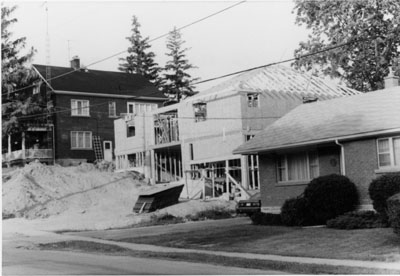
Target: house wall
[
  {"x": 274, "y": 194},
  {"x": 361, "y": 161},
  {"x": 99, "y": 123}
]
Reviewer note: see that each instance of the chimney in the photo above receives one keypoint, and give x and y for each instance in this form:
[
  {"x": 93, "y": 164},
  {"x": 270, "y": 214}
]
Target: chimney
[
  {"x": 391, "y": 80},
  {"x": 75, "y": 63}
]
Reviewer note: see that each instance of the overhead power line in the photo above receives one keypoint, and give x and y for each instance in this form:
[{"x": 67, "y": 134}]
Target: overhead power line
[
  {"x": 151, "y": 40},
  {"x": 283, "y": 61},
  {"x": 254, "y": 68}
]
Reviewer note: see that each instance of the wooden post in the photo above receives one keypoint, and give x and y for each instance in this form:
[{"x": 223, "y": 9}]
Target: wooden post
[
  {"x": 227, "y": 178},
  {"x": 23, "y": 146},
  {"x": 9, "y": 151},
  {"x": 213, "y": 180},
  {"x": 175, "y": 175}
]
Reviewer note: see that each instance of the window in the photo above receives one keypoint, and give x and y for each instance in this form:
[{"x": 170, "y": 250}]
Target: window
[
  {"x": 138, "y": 108},
  {"x": 112, "y": 110},
  {"x": 298, "y": 167},
  {"x": 252, "y": 100},
  {"x": 36, "y": 87},
  {"x": 200, "y": 112},
  {"x": 388, "y": 152},
  {"x": 80, "y": 108},
  {"x": 81, "y": 140},
  {"x": 130, "y": 131}
]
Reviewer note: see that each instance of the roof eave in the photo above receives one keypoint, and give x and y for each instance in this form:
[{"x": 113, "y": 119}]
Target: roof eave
[{"x": 319, "y": 141}]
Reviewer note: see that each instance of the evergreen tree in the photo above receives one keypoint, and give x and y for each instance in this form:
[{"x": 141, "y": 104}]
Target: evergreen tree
[
  {"x": 140, "y": 60},
  {"x": 372, "y": 29},
  {"x": 16, "y": 84},
  {"x": 177, "y": 81}
]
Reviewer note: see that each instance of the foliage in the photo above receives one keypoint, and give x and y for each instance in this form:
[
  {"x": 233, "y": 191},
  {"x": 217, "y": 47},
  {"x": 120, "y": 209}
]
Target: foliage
[
  {"x": 295, "y": 212},
  {"x": 370, "y": 31},
  {"x": 177, "y": 80},
  {"x": 165, "y": 219},
  {"x": 329, "y": 196},
  {"x": 140, "y": 60},
  {"x": 104, "y": 165},
  {"x": 381, "y": 189},
  {"x": 394, "y": 212},
  {"x": 357, "y": 220},
  {"x": 260, "y": 218},
  {"x": 324, "y": 198},
  {"x": 17, "y": 99},
  {"x": 213, "y": 213}
]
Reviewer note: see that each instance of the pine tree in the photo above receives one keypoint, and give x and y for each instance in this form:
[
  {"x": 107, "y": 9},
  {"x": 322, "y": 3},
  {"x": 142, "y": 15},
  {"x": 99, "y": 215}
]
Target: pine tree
[
  {"x": 17, "y": 79},
  {"x": 140, "y": 60},
  {"x": 177, "y": 81}
]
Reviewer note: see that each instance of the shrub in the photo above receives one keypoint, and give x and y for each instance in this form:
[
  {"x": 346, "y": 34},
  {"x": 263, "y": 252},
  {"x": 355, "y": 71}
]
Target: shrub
[
  {"x": 330, "y": 196},
  {"x": 214, "y": 213},
  {"x": 295, "y": 212},
  {"x": 357, "y": 220},
  {"x": 393, "y": 204},
  {"x": 381, "y": 189},
  {"x": 260, "y": 218},
  {"x": 164, "y": 219}
]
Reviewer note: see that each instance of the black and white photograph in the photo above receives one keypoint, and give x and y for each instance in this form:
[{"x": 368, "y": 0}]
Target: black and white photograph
[{"x": 248, "y": 137}]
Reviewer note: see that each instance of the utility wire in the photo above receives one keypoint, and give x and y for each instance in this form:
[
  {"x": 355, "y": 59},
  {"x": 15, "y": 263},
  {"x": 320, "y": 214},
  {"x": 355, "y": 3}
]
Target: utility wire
[
  {"x": 284, "y": 61},
  {"x": 151, "y": 40},
  {"x": 267, "y": 65}
]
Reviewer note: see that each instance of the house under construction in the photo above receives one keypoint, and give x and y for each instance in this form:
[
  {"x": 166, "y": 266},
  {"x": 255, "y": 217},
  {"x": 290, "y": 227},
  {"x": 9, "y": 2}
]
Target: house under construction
[{"x": 192, "y": 141}]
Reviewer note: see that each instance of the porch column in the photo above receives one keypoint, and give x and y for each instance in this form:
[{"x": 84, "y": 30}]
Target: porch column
[
  {"x": 152, "y": 168},
  {"x": 245, "y": 171},
  {"x": 9, "y": 151},
  {"x": 227, "y": 178},
  {"x": 9, "y": 144}
]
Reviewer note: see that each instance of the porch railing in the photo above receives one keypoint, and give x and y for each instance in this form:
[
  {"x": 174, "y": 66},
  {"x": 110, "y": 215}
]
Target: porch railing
[{"x": 29, "y": 154}]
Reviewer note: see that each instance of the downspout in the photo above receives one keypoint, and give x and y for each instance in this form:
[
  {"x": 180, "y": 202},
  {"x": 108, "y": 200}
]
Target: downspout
[{"x": 342, "y": 162}]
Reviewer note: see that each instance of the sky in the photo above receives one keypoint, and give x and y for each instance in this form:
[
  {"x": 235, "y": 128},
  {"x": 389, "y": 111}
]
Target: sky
[{"x": 250, "y": 34}]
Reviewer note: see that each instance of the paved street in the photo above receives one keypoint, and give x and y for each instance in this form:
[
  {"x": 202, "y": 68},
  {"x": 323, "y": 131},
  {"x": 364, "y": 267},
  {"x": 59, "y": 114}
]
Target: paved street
[{"x": 35, "y": 262}]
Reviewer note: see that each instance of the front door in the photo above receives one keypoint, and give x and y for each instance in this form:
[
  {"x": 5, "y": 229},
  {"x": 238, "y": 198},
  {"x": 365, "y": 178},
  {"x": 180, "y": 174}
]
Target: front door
[{"x": 107, "y": 150}]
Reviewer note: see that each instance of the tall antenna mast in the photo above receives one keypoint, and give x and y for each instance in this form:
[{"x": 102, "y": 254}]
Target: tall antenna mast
[{"x": 48, "y": 67}]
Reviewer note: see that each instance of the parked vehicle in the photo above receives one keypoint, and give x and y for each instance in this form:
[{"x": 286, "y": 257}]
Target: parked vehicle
[{"x": 249, "y": 206}]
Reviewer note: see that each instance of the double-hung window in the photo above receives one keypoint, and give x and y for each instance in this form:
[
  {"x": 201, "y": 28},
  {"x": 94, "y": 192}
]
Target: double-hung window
[
  {"x": 139, "y": 108},
  {"x": 81, "y": 140},
  {"x": 302, "y": 166},
  {"x": 200, "y": 112},
  {"x": 389, "y": 152},
  {"x": 252, "y": 100},
  {"x": 80, "y": 108},
  {"x": 112, "y": 110}
]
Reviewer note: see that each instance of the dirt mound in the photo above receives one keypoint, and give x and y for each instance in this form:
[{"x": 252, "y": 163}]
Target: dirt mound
[{"x": 37, "y": 190}]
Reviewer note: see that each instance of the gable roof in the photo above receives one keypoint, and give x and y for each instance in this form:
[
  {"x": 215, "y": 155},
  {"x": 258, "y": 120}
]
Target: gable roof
[
  {"x": 340, "y": 118},
  {"x": 282, "y": 80},
  {"x": 103, "y": 82}
]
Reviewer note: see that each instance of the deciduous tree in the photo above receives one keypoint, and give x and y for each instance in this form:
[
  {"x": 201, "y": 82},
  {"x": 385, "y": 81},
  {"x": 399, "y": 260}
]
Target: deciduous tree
[{"x": 369, "y": 30}]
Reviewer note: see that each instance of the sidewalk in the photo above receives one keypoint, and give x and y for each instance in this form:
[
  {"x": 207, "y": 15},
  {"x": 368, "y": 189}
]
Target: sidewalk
[{"x": 395, "y": 266}]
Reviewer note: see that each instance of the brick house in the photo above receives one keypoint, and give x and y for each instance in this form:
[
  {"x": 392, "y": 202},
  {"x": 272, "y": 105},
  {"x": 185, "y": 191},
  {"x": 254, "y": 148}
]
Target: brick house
[
  {"x": 356, "y": 136},
  {"x": 86, "y": 103}
]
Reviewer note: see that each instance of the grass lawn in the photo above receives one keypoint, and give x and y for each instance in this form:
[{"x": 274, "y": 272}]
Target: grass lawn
[{"x": 379, "y": 244}]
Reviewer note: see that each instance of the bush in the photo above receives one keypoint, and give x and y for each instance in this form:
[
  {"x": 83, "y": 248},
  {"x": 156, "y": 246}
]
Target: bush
[
  {"x": 164, "y": 219},
  {"x": 393, "y": 204},
  {"x": 214, "y": 213},
  {"x": 357, "y": 220},
  {"x": 330, "y": 196},
  {"x": 295, "y": 212},
  {"x": 381, "y": 189},
  {"x": 260, "y": 218}
]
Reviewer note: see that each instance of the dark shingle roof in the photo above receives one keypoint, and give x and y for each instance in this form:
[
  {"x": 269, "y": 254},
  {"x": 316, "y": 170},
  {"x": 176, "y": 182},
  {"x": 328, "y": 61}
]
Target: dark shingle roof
[
  {"x": 311, "y": 123},
  {"x": 96, "y": 81}
]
